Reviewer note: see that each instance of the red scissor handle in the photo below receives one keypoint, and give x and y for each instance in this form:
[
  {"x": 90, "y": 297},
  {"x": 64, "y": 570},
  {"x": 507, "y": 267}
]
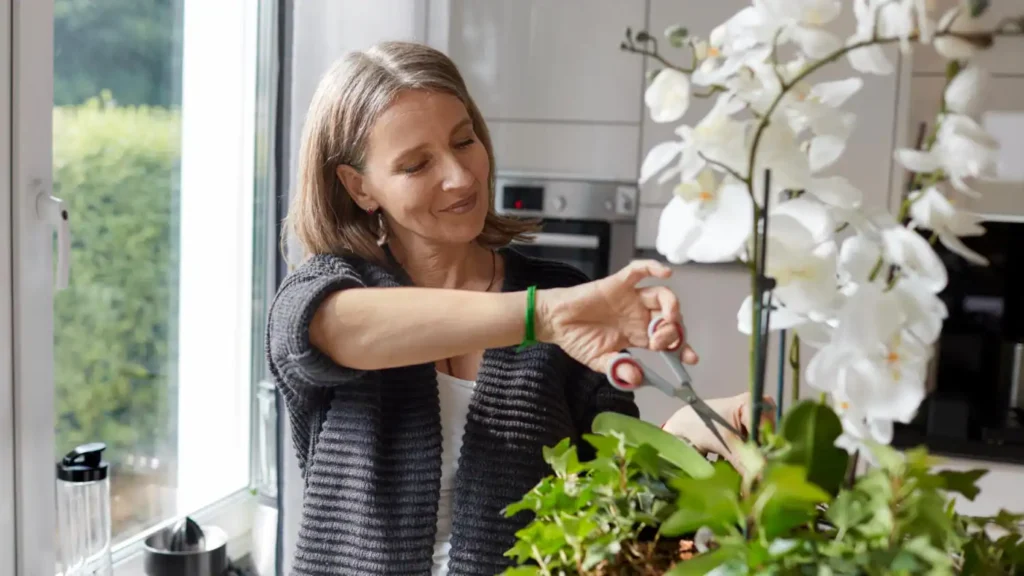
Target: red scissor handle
[
  {"x": 615, "y": 380},
  {"x": 653, "y": 327}
]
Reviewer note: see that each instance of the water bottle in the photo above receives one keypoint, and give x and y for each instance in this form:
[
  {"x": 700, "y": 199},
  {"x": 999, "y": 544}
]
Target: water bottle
[{"x": 83, "y": 512}]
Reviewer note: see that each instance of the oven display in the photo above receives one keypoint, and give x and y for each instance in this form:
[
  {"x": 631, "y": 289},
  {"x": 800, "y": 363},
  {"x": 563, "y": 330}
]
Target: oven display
[{"x": 522, "y": 198}]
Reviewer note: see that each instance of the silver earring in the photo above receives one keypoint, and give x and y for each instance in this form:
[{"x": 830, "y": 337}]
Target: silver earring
[{"x": 382, "y": 231}]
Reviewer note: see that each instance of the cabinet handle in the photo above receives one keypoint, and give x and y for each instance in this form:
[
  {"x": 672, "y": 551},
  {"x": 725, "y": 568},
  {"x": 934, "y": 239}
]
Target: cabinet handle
[{"x": 52, "y": 210}]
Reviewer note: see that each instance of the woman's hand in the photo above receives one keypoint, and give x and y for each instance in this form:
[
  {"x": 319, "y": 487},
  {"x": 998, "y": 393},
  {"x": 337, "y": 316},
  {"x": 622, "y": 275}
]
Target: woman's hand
[
  {"x": 595, "y": 321},
  {"x": 735, "y": 410}
]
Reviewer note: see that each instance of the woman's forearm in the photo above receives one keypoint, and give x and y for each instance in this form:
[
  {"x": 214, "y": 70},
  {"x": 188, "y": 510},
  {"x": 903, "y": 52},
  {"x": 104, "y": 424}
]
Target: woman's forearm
[{"x": 377, "y": 328}]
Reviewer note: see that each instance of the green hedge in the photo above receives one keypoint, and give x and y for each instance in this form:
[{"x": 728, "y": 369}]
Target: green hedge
[{"x": 117, "y": 169}]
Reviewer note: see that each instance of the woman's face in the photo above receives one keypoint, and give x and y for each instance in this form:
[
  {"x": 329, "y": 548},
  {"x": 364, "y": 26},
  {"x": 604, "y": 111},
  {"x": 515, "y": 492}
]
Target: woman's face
[{"x": 426, "y": 169}]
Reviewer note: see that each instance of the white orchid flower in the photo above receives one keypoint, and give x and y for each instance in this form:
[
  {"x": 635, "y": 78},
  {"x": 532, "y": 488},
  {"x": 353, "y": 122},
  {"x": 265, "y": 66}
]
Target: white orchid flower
[
  {"x": 869, "y": 58},
  {"x": 957, "y": 20},
  {"x": 962, "y": 150},
  {"x": 668, "y": 96},
  {"x": 817, "y": 108},
  {"x": 779, "y": 150},
  {"x": 873, "y": 369},
  {"x": 904, "y": 18},
  {"x": 837, "y": 193},
  {"x": 707, "y": 220},
  {"x": 782, "y": 318},
  {"x": 719, "y": 66},
  {"x": 924, "y": 310},
  {"x": 915, "y": 257},
  {"x": 802, "y": 22},
  {"x": 858, "y": 258},
  {"x": 931, "y": 210},
  {"x": 802, "y": 256},
  {"x": 718, "y": 137},
  {"x": 963, "y": 95}
]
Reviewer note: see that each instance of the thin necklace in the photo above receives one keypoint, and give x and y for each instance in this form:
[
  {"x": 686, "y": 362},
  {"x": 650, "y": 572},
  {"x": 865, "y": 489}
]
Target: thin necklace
[{"x": 494, "y": 274}]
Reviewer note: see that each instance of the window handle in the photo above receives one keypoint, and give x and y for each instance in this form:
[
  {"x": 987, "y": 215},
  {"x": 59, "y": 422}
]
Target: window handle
[{"x": 51, "y": 209}]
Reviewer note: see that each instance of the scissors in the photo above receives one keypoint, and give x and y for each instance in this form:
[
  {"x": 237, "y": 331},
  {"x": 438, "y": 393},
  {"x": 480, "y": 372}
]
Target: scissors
[{"x": 682, "y": 389}]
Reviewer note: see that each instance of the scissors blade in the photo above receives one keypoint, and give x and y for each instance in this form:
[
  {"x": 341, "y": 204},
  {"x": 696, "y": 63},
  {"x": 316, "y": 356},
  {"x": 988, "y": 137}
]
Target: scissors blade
[
  {"x": 676, "y": 366},
  {"x": 709, "y": 421},
  {"x": 651, "y": 378},
  {"x": 687, "y": 394}
]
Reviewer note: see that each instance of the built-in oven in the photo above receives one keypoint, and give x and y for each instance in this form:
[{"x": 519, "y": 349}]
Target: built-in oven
[{"x": 588, "y": 224}]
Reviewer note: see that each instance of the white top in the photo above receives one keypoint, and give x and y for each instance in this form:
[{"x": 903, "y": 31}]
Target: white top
[{"x": 455, "y": 395}]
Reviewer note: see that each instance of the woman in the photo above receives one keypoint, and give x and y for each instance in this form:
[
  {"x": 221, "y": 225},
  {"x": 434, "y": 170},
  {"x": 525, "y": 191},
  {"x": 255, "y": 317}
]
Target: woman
[{"x": 416, "y": 415}]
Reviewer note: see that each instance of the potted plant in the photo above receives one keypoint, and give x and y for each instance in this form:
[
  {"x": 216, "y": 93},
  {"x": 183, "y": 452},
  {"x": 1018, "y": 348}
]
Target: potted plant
[{"x": 858, "y": 287}]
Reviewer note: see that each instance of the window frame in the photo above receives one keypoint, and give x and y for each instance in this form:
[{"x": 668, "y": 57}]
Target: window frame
[
  {"x": 7, "y": 486},
  {"x": 27, "y": 418}
]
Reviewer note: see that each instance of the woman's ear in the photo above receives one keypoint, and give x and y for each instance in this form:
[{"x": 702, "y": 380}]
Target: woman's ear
[{"x": 352, "y": 180}]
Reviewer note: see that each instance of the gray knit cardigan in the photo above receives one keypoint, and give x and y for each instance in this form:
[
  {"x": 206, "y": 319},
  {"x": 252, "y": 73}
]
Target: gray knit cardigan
[{"x": 369, "y": 442}]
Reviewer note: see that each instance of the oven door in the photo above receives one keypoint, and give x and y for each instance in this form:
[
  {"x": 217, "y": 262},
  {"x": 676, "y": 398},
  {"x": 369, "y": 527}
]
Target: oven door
[{"x": 579, "y": 243}]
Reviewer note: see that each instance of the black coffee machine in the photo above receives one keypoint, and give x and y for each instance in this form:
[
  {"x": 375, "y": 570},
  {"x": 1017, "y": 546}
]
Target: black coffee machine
[{"x": 977, "y": 387}]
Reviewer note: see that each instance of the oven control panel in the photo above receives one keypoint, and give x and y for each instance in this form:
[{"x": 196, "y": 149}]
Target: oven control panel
[{"x": 571, "y": 199}]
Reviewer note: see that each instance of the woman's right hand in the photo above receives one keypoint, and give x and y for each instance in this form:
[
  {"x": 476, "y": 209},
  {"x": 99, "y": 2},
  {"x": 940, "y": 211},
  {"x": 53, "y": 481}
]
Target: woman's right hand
[{"x": 595, "y": 321}]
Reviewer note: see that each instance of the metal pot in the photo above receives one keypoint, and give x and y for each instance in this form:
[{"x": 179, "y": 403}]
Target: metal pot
[{"x": 186, "y": 549}]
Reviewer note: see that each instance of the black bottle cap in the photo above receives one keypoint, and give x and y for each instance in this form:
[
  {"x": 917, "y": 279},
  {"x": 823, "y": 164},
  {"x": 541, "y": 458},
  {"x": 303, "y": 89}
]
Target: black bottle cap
[{"x": 84, "y": 464}]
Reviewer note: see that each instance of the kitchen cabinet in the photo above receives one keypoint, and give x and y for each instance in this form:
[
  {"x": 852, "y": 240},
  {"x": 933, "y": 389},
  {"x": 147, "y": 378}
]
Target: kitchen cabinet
[
  {"x": 1002, "y": 198},
  {"x": 559, "y": 95},
  {"x": 1004, "y": 58},
  {"x": 700, "y": 19}
]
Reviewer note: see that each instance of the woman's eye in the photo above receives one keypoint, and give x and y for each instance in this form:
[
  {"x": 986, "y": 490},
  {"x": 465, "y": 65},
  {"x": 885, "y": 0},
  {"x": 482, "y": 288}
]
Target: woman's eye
[
  {"x": 415, "y": 168},
  {"x": 465, "y": 143}
]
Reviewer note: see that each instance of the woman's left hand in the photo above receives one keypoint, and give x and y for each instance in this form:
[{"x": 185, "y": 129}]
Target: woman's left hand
[{"x": 735, "y": 410}]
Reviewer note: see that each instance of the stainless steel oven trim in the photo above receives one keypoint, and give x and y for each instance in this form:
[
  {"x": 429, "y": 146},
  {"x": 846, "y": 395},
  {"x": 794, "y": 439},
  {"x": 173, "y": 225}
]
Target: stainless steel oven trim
[{"x": 561, "y": 240}]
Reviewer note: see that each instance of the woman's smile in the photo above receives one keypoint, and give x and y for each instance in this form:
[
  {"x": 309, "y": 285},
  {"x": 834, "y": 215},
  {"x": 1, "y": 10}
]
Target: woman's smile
[{"x": 463, "y": 206}]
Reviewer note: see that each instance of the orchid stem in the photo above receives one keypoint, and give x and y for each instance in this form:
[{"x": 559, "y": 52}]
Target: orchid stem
[
  {"x": 794, "y": 363},
  {"x": 724, "y": 167}
]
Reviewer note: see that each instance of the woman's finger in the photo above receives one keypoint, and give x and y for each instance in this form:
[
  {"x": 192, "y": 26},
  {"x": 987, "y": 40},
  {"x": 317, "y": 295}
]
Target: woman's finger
[
  {"x": 638, "y": 270},
  {"x": 662, "y": 300},
  {"x": 625, "y": 372}
]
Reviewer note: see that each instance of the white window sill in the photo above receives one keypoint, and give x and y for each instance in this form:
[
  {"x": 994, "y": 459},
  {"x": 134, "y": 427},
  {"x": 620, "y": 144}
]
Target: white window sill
[{"x": 234, "y": 515}]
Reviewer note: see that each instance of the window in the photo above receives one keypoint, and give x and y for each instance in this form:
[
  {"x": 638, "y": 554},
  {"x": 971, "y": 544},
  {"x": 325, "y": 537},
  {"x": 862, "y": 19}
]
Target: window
[
  {"x": 162, "y": 152},
  {"x": 153, "y": 156}
]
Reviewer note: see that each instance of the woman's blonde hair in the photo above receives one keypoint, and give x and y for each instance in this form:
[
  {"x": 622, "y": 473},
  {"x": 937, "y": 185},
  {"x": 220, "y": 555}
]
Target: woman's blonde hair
[{"x": 323, "y": 217}]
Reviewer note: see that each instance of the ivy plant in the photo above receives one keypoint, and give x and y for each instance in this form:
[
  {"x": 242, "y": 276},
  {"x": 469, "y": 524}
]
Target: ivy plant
[{"x": 648, "y": 503}]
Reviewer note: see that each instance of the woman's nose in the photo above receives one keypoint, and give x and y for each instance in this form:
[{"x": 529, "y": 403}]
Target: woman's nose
[{"x": 456, "y": 175}]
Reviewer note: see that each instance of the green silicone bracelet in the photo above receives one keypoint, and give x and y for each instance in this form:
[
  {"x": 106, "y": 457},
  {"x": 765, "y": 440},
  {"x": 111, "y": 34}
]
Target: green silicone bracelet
[{"x": 530, "y": 338}]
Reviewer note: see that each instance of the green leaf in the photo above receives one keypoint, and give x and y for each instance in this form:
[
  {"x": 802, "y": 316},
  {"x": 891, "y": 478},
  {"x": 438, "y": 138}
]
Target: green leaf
[
  {"x": 606, "y": 446},
  {"x": 965, "y": 482},
  {"x": 786, "y": 499},
  {"x": 647, "y": 460},
  {"x": 703, "y": 563},
  {"x": 811, "y": 429},
  {"x": 977, "y": 7},
  {"x": 637, "y": 432},
  {"x": 711, "y": 502},
  {"x": 562, "y": 458},
  {"x": 522, "y": 571}
]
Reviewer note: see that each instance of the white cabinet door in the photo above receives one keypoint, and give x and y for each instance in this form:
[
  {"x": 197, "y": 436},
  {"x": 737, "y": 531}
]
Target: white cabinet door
[
  {"x": 559, "y": 95},
  {"x": 542, "y": 60},
  {"x": 1003, "y": 58},
  {"x": 1002, "y": 198}
]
